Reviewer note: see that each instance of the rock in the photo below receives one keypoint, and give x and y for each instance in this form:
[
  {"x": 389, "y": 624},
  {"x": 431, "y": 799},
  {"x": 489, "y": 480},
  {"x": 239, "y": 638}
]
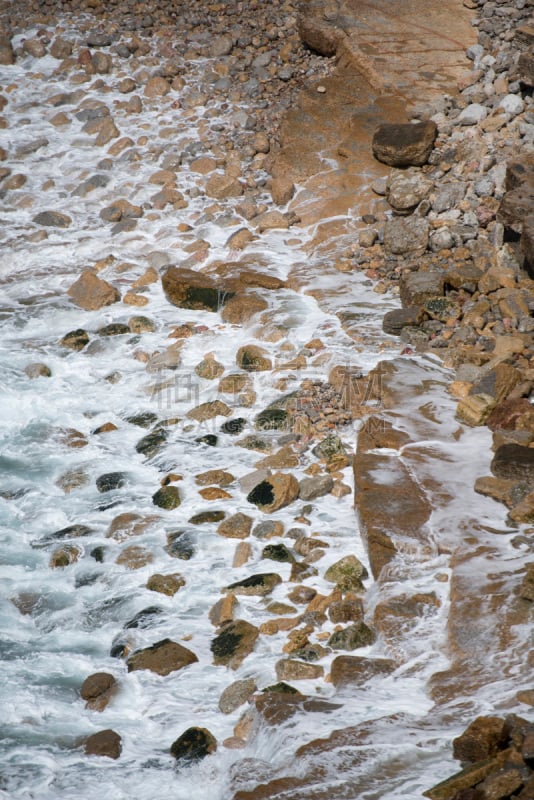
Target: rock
[
  {"x": 168, "y": 497},
  {"x": 395, "y": 321},
  {"x": 275, "y": 492},
  {"x": 348, "y": 610},
  {"x": 64, "y": 556},
  {"x": 483, "y": 738},
  {"x": 240, "y": 239},
  {"x": 205, "y": 411},
  {"x": 193, "y": 745},
  {"x": 165, "y": 584},
  {"x": 514, "y": 461},
  {"x": 357, "y": 670},
  {"x": 110, "y": 481},
  {"x": 104, "y": 743},
  {"x": 260, "y": 584},
  {"x": 221, "y": 187},
  {"x": 526, "y": 67},
  {"x": 140, "y": 324},
  {"x": 329, "y": 448},
  {"x": 121, "y": 210},
  {"x": 152, "y": 443},
  {"x": 195, "y": 290},
  {"x": 37, "y": 370},
  {"x": 91, "y": 293},
  {"x": 162, "y": 658},
  {"x": 526, "y": 592},
  {"x": 512, "y": 104},
  {"x": 234, "y": 643},
  {"x": 252, "y": 358},
  {"x": 61, "y": 48},
  {"x": 271, "y": 220},
  {"x": 134, "y": 557},
  {"x": 52, "y": 219},
  {"x": 277, "y": 552},
  {"x": 236, "y": 695},
  {"x": 282, "y": 190},
  {"x": 157, "y": 87},
  {"x": 527, "y": 243},
  {"x": 475, "y": 409},
  {"x": 347, "y": 574},
  {"x": 473, "y": 114},
  {"x": 214, "y": 476},
  {"x": 180, "y": 544},
  {"x": 405, "y": 190},
  {"x": 238, "y": 526},
  {"x": 34, "y": 47},
  {"x": 318, "y": 34},
  {"x": 240, "y": 308},
  {"x": 75, "y": 340},
  {"x": 312, "y": 488},
  {"x": 404, "y": 145},
  {"x": 205, "y": 517},
  {"x": 130, "y": 524},
  {"x": 221, "y": 46},
  {"x": 98, "y": 689},
  {"x": 288, "y": 669},
  {"x": 403, "y": 236},
  {"x": 272, "y": 419},
  {"x": 223, "y": 610},
  {"x": 209, "y": 368},
  {"x": 73, "y": 479},
  {"x": 516, "y": 205},
  {"x": 353, "y": 636},
  {"x": 114, "y": 329},
  {"x": 7, "y": 54}
]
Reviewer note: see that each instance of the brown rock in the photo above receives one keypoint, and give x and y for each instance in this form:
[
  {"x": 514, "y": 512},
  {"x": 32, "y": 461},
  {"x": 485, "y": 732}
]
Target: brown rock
[
  {"x": 91, "y": 293},
  {"x": 483, "y": 738},
  {"x": 506, "y": 415},
  {"x": 416, "y": 288},
  {"x": 252, "y": 358},
  {"x": 193, "y": 745},
  {"x": 242, "y": 307},
  {"x": 209, "y": 368},
  {"x": 209, "y": 410},
  {"x": 236, "y": 695},
  {"x": 98, "y": 689},
  {"x": 130, "y": 524},
  {"x": 282, "y": 190},
  {"x": 134, "y": 557},
  {"x": 162, "y": 658},
  {"x": 288, "y": 669},
  {"x": 275, "y": 492},
  {"x": 259, "y": 584},
  {"x": 64, "y": 556},
  {"x": 52, "y": 219},
  {"x": 157, "y": 87},
  {"x": 165, "y": 584},
  {"x": 223, "y": 610},
  {"x": 234, "y": 643},
  {"x": 516, "y": 206},
  {"x": 104, "y": 743},
  {"x": 357, "y": 670},
  {"x": 221, "y": 187},
  {"x": 514, "y": 461},
  {"x": 320, "y": 36},
  {"x": 238, "y": 526},
  {"x": 404, "y": 145},
  {"x": 214, "y": 476},
  {"x": 188, "y": 289}
]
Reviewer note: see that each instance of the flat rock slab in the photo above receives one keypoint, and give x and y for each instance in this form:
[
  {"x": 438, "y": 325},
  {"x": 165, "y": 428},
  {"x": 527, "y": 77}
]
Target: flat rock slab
[{"x": 162, "y": 658}]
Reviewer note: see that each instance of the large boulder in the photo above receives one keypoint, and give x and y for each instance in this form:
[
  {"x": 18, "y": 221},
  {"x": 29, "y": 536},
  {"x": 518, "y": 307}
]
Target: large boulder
[
  {"x": 91, "y": 293},
  {"x": 233, "y": 643},
  {"x": 404, "y": 145},
  {"x": 162, "y": 658},
  {"x": 186, "y": 288},
  {"x": 484, "y": 737}
]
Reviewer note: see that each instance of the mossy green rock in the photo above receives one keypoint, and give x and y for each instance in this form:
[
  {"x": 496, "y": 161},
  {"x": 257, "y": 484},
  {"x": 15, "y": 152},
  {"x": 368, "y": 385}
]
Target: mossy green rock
[
  {"x": 186, "y": 288},
  {"x": 168, "y": 497},
  {"x": 347, "y": 574},
  {"x": 272, "y": 419},
  {"x": 352, "y": 637},
  {"x": 277, "y": 552}
]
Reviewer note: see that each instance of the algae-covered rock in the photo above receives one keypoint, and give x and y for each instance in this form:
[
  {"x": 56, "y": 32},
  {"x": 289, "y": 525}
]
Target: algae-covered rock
[
  {"x": 353, "y": 636},
  {"x": 234, "y": 643},
  {"x": 259, "y": 584},
  {"x": 347, "y": 574},
  {"x": 168, "y": 497},
  {"x": 193, "y": 745}
]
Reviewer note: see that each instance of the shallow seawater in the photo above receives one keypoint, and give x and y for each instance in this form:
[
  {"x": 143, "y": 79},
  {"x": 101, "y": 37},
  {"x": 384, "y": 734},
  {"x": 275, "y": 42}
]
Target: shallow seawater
[{"x": 73, "y": 616}]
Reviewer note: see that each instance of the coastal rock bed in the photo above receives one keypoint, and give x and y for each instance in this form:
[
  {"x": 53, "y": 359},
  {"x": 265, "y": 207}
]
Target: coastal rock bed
[{"x": 175, "y": 166}]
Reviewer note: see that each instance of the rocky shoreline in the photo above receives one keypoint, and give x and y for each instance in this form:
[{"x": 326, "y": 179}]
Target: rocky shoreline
[{"x": 448, "y": 230}]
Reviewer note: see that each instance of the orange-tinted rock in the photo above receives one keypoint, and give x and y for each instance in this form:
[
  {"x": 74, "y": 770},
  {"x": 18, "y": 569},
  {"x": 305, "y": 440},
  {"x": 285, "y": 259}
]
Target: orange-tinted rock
[
  {"x": 356, "y": 670},
  {"x": 91, "y": 293},
  {"x": 484, "y": 737}
]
